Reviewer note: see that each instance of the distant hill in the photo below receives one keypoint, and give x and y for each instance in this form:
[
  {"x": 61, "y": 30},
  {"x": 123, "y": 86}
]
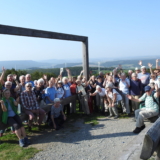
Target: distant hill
[
  {"x": 28, "y": 64},
  {"x": 128, "y": 64},
  {"x": 23, "y": 64}
]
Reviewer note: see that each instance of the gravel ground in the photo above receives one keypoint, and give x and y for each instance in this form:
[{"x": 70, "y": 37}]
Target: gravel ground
[{"x": 80, "y": 141}]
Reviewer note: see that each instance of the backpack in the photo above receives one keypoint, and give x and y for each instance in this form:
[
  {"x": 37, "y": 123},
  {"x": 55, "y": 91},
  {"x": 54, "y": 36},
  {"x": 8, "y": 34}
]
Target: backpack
[{"x": 142, "y": 103}]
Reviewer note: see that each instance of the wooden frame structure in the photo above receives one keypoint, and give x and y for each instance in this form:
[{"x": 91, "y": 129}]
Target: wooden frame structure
[{"x": 17, "y": 31}]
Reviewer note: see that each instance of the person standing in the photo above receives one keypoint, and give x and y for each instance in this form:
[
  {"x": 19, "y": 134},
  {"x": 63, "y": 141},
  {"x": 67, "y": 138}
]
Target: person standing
[
  {"x": 135, "y": 90},
  {"x": 124, "y": 85}
]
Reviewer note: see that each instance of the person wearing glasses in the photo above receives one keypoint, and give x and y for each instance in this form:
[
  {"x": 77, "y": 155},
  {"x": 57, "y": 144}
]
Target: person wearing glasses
[
  {"x": 151, "y": 108},
  {"x": 30, "y": 104},
  {"x": 10, "y": 116}
]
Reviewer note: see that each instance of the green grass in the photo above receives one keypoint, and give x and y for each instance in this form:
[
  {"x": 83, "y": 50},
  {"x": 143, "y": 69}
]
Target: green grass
[
  {"x": 93, "y": 119},
  {"x": 10, "y": 149}
]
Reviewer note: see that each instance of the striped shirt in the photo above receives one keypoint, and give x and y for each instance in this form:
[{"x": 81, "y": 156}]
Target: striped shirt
[{"x": 29, "y": 100}]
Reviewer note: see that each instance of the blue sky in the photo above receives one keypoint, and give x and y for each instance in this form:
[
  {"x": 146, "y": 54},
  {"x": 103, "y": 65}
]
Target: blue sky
[{"x": 114, "y": 27}]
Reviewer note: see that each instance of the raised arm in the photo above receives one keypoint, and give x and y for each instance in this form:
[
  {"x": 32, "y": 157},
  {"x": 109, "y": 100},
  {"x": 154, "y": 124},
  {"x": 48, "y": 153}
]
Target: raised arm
[
  {"x": 69, "y": 74},
  {"x": 157, "y": 90},
  {"x": 81, "y": 73},
  {"x": 2, "y": 76},
  {"x": 157, "y": 67},
  {"x": 46, "y": 80},
  {"x": 17, "y": 83},
  {"x": 140, "y": 63},
  {"x": 150, "y": 68}
]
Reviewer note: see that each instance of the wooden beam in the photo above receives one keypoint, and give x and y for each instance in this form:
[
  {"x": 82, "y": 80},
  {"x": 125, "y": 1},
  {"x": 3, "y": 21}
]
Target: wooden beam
[{"x": 18, "y": 31}]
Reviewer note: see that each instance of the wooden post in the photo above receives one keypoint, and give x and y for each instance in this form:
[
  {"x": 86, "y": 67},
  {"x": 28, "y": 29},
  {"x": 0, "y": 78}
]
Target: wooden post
[
  {"x": 85, "y": 59},
  {"x": 151, "y": 140}
]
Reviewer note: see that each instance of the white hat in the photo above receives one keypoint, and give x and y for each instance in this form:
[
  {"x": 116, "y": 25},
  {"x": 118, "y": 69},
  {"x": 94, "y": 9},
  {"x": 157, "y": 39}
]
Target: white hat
[
  {"x": 59, "y": 81},
  {"x": 134, "y": 75},
  {"x": 136, "y": 69},
  {"x": 143, "y": 67},
  {"x": 56, "y": 100}
]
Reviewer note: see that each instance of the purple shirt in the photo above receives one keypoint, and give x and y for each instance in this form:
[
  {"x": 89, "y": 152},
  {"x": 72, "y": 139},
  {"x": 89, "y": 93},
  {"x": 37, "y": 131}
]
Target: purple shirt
[{"x": 135, "y": 87}]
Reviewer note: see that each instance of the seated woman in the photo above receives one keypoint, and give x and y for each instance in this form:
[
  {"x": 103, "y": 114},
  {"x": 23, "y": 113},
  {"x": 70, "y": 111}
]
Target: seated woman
[
  {"x": 10, "y": 116},
  {"x": 57, "y": 115}
]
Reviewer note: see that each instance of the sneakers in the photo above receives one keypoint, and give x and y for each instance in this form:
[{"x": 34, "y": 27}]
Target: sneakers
[
  {"x": 110, "y": 116},
  {"x": 21, "y": 143},
  {"x": 143, "y": 127},
  {"x": 116, "y": 117},
  {"x": 26, "y": 141},
  {"x": 137, "y": 130}
]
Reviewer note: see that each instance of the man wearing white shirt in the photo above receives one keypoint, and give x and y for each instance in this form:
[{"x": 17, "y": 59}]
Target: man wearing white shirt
[
  {"x": 124, "y": 85},
  {"x": 102, "y": 94}
]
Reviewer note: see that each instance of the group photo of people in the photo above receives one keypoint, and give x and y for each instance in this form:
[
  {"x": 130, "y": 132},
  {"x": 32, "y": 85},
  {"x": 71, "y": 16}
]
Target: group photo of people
[{"x": 134, "y": 93}]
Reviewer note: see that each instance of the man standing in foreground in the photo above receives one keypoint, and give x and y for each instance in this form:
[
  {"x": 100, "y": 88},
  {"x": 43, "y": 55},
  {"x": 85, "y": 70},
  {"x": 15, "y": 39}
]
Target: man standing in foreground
[{"x": 151, "y": 108}]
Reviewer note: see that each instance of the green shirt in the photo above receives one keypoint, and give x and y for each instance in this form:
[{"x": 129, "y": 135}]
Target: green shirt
[{"x": 149, "y": 102}]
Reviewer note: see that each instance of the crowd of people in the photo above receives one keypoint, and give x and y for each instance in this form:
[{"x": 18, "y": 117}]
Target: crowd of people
[{"x": 135, "y": 92}]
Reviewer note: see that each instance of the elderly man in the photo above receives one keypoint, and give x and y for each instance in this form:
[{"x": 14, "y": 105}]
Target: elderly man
[
  {"x": 137, "y": 70},
  {"x": 124, "y": 85},
  {"x": 28, "y": 79},
  {"x": 135, "y": 90},
  {"x": 101, "y": 92},
  {"x": 144, "y": 77},
  {"x": 151, "y": 108},
  {"x": 30, "y": 104}
]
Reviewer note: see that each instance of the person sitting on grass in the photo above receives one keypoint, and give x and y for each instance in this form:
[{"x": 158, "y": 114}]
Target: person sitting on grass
[
  {"x": 10, "y": 116},
  {"x": 151, "y": 108},
  {"x": 57, "y": 115}
]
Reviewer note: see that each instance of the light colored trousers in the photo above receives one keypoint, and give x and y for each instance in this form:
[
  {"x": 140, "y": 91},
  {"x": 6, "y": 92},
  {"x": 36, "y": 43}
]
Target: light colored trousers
[
  {"x": 135, "y": 105},
  {"x": 84, "y": 103},
  {"x": 125, "y": 104},
  {"x": 141, "y": 114}
]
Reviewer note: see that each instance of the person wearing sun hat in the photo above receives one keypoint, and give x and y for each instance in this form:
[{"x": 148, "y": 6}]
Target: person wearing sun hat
[
  {"x": 144, "y": 77},
  {"x": 137, "y": 70},
  {"x": 151, "y": 108}
]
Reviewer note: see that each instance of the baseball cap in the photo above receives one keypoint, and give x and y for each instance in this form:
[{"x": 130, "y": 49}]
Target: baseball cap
[{"x": 147, "y": 88}]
